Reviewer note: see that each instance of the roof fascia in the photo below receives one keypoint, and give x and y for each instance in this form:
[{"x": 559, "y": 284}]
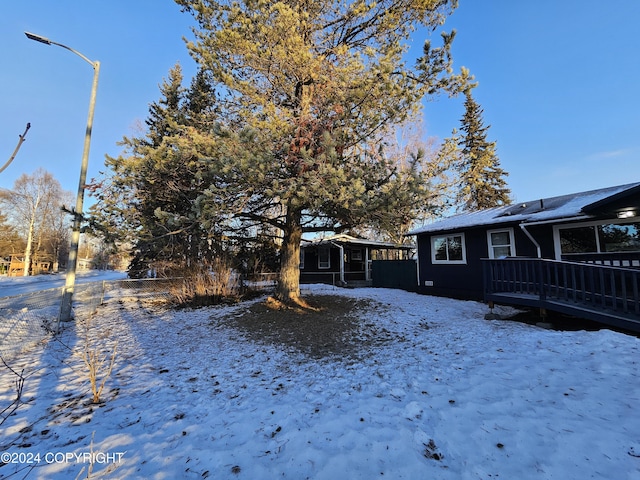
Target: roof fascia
[
  {"x": 557, "y": 220},
  {"x": 602, "y": 204}
]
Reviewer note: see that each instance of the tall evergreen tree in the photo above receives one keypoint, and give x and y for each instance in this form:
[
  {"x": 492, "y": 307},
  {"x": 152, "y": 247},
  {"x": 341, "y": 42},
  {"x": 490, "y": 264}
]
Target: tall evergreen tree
[
  {"x": 151, "y": 195},
  {"x": 310, "y": 89},
  {"x": 167, "y": 112},
  {"x": 482, "y": 181}
]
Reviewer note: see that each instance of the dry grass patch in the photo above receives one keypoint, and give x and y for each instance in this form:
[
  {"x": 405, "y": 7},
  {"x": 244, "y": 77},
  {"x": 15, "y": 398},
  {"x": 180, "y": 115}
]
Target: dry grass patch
[{"x": 332, "y": 326}]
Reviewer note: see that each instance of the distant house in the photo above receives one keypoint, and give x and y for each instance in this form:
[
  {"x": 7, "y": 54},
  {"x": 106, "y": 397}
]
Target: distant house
[
  {"x": 85, "y": 264},
  {"x": 14, "y": 267},
  {"x": 348, "y": 261},
  {"x": 482, "y": 255},
  {"x": 5, "y": 264}
]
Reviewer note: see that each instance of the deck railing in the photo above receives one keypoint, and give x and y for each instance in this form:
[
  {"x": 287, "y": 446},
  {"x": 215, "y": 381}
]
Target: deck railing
[{"x": 596, "y": 287}]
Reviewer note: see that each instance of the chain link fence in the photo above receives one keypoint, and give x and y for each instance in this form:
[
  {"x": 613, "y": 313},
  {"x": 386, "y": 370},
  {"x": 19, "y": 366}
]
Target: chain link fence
[
  {"x": 30, "y": 318},
  {"x": 27, "y": 319}
]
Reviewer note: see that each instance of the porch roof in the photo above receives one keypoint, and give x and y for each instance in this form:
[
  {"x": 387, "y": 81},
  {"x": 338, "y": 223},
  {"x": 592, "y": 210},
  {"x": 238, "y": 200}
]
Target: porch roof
[{"x": 344, "y": 239}]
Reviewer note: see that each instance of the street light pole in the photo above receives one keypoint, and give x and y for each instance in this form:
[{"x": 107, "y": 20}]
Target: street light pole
[{"x": 67, "y": 296}]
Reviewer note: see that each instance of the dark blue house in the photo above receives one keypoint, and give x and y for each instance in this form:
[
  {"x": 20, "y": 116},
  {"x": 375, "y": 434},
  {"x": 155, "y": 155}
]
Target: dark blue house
[{"x": 506, "y": 254}]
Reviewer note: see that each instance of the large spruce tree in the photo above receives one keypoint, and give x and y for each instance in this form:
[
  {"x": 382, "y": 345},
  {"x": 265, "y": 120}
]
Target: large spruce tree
[
  {"x": 482, "y": 181},
  {"x": 309, "y": 90},
  {"x": 150, "y": 197}
]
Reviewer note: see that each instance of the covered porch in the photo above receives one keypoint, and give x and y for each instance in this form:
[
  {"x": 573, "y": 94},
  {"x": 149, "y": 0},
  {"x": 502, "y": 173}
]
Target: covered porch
[{"x": 345, "y": 260}]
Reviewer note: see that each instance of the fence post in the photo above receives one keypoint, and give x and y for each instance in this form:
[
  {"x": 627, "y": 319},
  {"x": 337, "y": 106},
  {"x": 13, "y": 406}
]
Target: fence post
[
  {"x": 63, "y": 293},
  {"x": 104, "y": 288}
]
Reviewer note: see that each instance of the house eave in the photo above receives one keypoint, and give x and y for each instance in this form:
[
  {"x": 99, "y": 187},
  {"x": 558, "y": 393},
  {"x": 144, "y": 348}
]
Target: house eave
[
  {"x": 360, "y": 242},
  {"x": 575, "y": 218}
]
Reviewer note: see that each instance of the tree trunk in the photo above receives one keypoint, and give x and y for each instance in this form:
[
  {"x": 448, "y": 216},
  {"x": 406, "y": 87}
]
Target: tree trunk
[
  {"x": 27, "y": 252},
  {"x": 288, "y": 288}
]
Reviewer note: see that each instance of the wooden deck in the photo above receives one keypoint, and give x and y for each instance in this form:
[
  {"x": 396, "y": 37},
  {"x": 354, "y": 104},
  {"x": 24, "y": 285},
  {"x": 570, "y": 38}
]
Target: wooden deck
[{"x": 605, "y": 294}]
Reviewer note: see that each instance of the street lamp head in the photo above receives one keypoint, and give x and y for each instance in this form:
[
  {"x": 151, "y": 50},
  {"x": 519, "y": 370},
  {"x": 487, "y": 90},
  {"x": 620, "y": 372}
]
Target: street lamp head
[
  {"x": 46, "y": 41},
  {"x": 38, "y": 38}
]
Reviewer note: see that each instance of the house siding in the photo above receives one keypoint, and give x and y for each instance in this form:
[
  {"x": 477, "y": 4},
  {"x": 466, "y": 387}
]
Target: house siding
[
  {"x": 543, "y": 234},
  {"x": 453, "y": 280},
  {"x": 354, "y": 269},
  {"x": 464, "y": 281},
  {"x": 311, "y": 273}
]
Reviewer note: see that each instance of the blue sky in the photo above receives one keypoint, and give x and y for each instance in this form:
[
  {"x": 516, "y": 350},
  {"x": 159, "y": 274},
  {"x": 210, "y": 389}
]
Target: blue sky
[{"x": 558, "y": 82}]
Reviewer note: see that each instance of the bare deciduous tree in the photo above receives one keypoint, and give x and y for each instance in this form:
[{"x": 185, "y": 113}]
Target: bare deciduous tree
[{"x": 34, "y": 204}]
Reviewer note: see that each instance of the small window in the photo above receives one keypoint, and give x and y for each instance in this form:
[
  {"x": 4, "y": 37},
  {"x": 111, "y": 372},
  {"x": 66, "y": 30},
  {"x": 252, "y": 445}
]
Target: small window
[
  {"x": 324, "y": 259},
  {"x": 448, "y": 249},
  {"x": 301, "y": 266},
  {"x": 356, "y": 255},
  {"x": 501, "y": 243}
]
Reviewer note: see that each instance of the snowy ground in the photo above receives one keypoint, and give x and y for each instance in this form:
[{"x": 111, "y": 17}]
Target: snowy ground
[
  {"x": 30, "y": 305},
  {"x": 10, "y": 286},
  {"x": 450, "y": 396}
]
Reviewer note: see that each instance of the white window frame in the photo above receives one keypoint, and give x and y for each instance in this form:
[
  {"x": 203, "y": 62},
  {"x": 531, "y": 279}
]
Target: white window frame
[
  {"x": 512, "y": 242},
  {"x": 449, "y": 262},
  {"x": 556, "y": 232},
  {"x": 324, "y": 265}
]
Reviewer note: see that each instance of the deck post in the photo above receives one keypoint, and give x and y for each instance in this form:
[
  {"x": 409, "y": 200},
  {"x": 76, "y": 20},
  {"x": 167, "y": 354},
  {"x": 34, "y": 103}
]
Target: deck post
[
  {"x": 544, "y": 323},
  {"x": 541, "y": 280},
  {"x": 491, "y": 315}
]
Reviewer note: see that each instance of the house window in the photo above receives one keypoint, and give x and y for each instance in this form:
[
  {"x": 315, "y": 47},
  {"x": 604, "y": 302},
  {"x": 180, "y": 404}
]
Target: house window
[
  {"x": 619, "y": 238},
  {"x": 448, "y": 249},
  {"x": 324, "y": 259},
  {"x": 599, "y": 238},
  {"x": 356, "y": 255},
  {"x": 301, "y": 266},
  {"x": 579, "y": 240},
  {"x": 501, "y": 243}
]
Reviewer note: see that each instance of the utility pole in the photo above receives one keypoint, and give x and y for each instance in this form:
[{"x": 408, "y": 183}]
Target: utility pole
[{"x": 67, "y": 296}]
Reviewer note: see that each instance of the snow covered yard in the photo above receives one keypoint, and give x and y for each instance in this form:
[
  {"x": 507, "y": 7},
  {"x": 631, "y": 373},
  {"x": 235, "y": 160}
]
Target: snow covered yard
[{"x": 426, "y": 389}]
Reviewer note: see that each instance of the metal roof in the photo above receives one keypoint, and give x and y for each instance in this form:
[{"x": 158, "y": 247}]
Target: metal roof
[{"x": 567, "y": 207}]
